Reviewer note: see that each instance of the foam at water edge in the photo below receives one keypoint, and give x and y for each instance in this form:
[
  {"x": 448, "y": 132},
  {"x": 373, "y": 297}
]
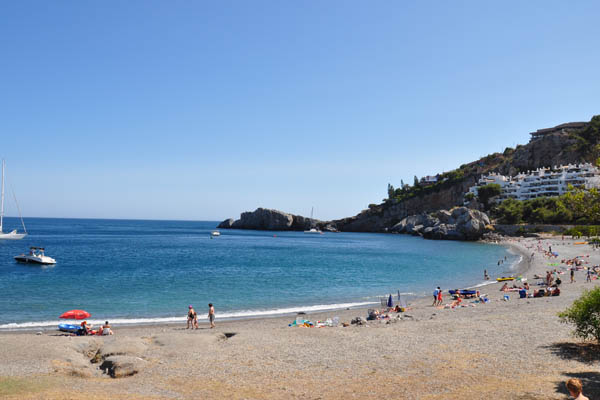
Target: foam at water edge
[{"x": 164, "y": 320}]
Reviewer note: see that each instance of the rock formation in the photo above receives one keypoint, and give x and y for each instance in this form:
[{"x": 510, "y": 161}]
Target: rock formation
[
  {"x": 274, "y": 220},
  {"x": 460, "y": 223}
]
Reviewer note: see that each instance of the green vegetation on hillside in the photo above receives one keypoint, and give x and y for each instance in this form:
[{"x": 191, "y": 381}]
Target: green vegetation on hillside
[
  {"x": 586, "y": 147},
  {"x": 588, "y": 140},
  {"x": 485, "y": 193},
  {"x": 578, "y": 206}
]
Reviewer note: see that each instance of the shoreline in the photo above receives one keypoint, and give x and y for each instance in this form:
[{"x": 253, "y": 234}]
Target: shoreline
[
  {"x": 519, "y": 268},
  {"x": 51, "y": 326},
  {"x": 424, "y": 353}
]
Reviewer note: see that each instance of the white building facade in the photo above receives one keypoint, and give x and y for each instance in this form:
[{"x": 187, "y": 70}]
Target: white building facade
[{"x": 543, "y": 182}]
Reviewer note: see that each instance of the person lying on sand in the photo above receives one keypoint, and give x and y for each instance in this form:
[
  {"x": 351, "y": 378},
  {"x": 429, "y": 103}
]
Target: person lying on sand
[{"x": 504, "y": 288}]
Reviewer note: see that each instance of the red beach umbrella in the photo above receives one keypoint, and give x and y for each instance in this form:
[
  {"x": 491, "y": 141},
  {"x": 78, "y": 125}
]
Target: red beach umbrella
[{"x": 76, "y": 314}]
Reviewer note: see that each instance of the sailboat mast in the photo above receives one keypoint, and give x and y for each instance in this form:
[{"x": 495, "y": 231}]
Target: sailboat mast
[{"x": 2, "y": 198}]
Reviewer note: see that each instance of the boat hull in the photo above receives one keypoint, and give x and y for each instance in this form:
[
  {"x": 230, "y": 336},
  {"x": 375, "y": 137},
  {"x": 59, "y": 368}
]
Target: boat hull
[
  {"x": 12, "y": 236},
  {"x": 26, "y": 260}
]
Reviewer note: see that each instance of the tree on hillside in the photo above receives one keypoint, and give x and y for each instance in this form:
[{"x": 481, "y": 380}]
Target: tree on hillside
[
  {"x": 584, "y": 204},
  {"x": 510, "y": 211},
  {"x": 390, "y": 191},
  {"x": 485, "y": 193},
  {"x": 584, "y": 313}
]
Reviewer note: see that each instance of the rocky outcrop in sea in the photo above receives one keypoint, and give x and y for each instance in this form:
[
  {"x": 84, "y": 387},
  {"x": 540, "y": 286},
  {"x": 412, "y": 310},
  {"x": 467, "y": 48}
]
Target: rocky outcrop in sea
[
  {"x": 460, "y": 223},
  {"x": 274, "y": 220}
]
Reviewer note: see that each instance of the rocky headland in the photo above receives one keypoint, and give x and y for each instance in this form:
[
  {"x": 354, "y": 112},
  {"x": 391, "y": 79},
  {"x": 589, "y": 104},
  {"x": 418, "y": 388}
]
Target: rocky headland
[
  {"x": 459, "y": 223},
  {"x": 274, "y": 220},
  {"x": 424, "y": 204}
]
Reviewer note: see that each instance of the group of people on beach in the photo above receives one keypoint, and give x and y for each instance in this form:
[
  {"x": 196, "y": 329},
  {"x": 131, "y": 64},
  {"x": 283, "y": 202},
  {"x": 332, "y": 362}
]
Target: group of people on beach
[
  {"x": 192, "y": 317},
  {"x": 87, "y": 329}
]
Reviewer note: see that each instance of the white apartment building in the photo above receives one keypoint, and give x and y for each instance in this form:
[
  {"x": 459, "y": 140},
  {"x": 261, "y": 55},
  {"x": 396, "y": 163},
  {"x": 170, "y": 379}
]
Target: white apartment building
[{"x": 543, "y": 182}]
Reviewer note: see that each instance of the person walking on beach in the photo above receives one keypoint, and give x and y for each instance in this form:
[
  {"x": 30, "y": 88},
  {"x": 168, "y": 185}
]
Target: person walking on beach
[
  {"x": 572, "y": 275},
  {"x": 211, "y": 315},
  {"x": 589, "y": 276},
  {"x": 439, "y": 296},
  {"x": 576, "y": 389},
  {"x": 192, "y": 318},
  {"x": 435, "y": 296}
]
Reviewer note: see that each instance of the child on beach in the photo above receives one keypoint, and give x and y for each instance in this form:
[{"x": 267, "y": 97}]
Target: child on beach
[
  {"x": 576, "y": 389},
  {"x": 435, "y": 296}
]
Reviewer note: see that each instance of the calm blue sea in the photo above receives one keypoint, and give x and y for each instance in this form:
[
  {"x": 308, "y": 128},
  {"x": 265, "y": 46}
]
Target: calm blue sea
[{"x": 147, "y": 271}]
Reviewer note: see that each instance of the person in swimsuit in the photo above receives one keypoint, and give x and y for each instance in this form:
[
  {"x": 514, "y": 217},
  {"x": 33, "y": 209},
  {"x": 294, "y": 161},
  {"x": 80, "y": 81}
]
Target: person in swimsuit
[
  {"x": 105, "y": 329},
  {"x": 211, "y": 315},
  {"x": 440, "y": 299},
  {"x": 192, "y": 318}
]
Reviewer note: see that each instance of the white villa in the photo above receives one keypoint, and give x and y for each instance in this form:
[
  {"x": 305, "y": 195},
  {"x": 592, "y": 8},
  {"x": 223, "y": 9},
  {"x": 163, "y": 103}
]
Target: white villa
[{"x": 543, "y": 182}]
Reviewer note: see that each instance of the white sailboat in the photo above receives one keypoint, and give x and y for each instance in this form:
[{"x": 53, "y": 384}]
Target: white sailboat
[
  {"x": 313, "y": 230},
  {"x": 13, "y": 235}
]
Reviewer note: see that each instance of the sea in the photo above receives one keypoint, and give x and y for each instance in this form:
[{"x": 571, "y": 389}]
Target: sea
[{"x": 140, "y": 271}]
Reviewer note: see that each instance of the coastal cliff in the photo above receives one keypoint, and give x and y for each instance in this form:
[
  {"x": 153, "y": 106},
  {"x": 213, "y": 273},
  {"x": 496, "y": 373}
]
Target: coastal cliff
[
  {"x": 569, "y": 143},
  {"x": 564, "y": 144}
]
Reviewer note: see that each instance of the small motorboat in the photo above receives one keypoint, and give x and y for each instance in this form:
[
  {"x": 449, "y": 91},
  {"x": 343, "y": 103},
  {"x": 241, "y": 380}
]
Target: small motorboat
[
  {"x": 215, "y": 233},
  {"x": 314, "y": 231},
  {"x": 35, "y": 256}
]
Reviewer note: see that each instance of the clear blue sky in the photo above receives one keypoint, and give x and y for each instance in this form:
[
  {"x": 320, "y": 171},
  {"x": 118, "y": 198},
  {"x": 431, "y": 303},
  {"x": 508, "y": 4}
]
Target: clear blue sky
[{"x": 202, "y": 110}]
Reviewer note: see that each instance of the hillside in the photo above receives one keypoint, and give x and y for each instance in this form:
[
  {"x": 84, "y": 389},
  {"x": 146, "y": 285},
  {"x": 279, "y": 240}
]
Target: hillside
[{"x": 564, "y": 144}]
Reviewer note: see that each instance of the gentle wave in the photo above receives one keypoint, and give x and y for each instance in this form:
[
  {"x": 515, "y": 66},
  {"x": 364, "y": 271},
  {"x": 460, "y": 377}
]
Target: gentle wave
[{"x": 225, "y": 315}]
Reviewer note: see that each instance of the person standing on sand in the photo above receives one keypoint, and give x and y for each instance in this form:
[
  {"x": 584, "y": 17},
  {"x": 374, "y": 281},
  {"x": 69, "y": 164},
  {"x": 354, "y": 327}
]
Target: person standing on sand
[
  {"x": 572, "y": 275},
  {"x": 576, "y": 389},
  {"x": 589, "y": 275},
  {"x": 192, "y": 318},
  {"x": 440, "y": 296},
  {"x": 435, "y": 296},
  {"x": 211, "y": 315}
]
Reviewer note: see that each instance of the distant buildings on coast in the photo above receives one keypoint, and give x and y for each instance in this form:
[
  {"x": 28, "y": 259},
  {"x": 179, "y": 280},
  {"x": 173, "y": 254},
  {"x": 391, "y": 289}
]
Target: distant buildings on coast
[
  {"x": 562, "y": 128},
  {"x": 543, "y": 182}
]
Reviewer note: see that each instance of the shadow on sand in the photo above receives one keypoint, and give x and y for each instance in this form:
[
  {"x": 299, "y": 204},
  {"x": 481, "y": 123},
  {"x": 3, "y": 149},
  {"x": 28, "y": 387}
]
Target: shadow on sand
[
  {"x": 590, "y": 381},
  {"x": 583, "y": 352}
]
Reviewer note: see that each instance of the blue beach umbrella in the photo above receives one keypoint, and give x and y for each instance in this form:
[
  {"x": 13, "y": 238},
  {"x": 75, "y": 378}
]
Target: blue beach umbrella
[{"x": 390, "y": 301}]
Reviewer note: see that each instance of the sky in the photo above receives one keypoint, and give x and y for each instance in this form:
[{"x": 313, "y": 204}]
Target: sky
[{"x": 199, "y": 110}]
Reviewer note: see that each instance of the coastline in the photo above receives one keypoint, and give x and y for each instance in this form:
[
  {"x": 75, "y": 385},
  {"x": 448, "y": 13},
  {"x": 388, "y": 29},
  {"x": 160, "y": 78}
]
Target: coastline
[
  {"x": 283, "y": 312},
  {"x": 501, "y": 349},
  {"x": 287, "y": 312}
]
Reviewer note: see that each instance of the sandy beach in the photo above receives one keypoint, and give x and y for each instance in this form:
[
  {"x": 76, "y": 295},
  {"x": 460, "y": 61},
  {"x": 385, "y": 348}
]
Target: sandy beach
[{"x": 514, "y": 349}]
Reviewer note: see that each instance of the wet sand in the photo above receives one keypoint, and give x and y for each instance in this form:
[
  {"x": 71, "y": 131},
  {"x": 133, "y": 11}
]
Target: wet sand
[{"x": 501, "y": 350}]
